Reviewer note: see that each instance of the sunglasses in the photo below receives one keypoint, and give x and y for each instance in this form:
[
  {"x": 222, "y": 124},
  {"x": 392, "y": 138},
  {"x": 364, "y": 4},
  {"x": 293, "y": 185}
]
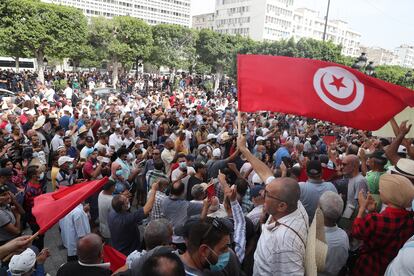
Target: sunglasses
[{"x": 266, "y": 194}]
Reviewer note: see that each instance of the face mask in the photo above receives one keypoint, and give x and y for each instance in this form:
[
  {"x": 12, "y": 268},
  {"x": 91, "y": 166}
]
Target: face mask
[
  {"x": 70, "y": 166},
  {"x": 42, "y": 175},
  {"x": 118, "y": 172},
  {"x": 222, "y": 261},
  {"x": 183, "y": 165}
]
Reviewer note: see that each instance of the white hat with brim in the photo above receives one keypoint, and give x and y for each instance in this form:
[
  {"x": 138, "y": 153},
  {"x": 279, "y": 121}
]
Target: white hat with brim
[
  {"x": 404, "y": 167},
  {"x": 63, "y": 159},
  {"x": 39, "y": 123},
  {"x": 82, "y": 129},
  {"x": 316, "y": 246}
]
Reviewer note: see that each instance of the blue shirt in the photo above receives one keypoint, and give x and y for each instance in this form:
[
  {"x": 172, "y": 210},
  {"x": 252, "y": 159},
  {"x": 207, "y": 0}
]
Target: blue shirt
[
  {"x": 311, "y": 191},
  {"x": 279, "y": 154}
]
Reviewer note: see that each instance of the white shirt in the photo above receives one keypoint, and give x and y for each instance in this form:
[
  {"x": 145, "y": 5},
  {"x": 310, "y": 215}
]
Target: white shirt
[
  {"x": 116, "y": 141},
  {"x": 280, "y": 251},
  {"x": 74, "y": 226},
  {"x": 68, "y": 92},
  {"x": 104, "y": 206},
  {"x": 255, "y": 214},
  {"x": 167, "y": 157},
  {"x": 57, "y": 141}
]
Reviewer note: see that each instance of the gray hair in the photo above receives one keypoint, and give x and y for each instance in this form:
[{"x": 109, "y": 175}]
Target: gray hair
[
  {"x": 331, "y": 205},
  {"x": 158, "y": 232}
]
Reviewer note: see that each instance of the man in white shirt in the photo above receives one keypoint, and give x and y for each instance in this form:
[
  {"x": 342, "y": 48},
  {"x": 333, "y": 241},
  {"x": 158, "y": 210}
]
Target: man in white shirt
[
  {"x": 168, "y": 155},
  {"x": 68, "y": 92},
  {"x": 104, "y": 206},
  {"x": 57, "y": 140},
  {"x": 281, "y": 246},
  {"x": 257, "y": 197},
  {"x": 332, "y": 205},
  {"x": 74, "y": 226},
  {"x": 115, "y": 139}
]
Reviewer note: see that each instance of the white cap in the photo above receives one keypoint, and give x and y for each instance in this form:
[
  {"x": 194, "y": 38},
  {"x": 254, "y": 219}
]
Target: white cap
[
  {"x": 22, "y": 263},
  {"x": 216, "y": 152},
  {"x": 211, "y": 136},
  {"x": 62, "y": 160},
  {"x": 66, "y": 108},
  {"x": 260, "y": 138}
]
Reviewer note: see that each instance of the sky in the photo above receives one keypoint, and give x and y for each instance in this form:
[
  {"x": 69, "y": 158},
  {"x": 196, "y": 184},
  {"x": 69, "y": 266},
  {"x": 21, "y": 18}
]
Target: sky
[{"x": 383, "y": 23}]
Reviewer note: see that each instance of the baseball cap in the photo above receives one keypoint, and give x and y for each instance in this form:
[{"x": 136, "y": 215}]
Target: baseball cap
[
  {"x": 22, "y": 263},
  {"x": 63, "y": 159},
  {"x": 6, "y": 172},
  {"x": 314, "y": 168},
  {"x": 89, "y": 139},
  {"x": 255, "y": 191},
  {"x": 211, "y": 136}
]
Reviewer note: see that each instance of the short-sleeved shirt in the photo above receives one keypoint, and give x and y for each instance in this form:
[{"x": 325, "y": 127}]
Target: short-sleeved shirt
[
  {"x": 373, "y": 181},
  {"x": 311, "y": 191},
  {"x": 177, "y": 211},
  {"x": 32, "y": 190},
  {"x": 124, "y": 230},
  {"x": 6, "y": 217},
  {"x": 104, "y": 206}
]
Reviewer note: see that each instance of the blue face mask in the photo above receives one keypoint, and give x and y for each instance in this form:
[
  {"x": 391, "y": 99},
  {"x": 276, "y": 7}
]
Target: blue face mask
[
  {"x": 119, "y": 172},
  {"x": 222, "y": 262}
]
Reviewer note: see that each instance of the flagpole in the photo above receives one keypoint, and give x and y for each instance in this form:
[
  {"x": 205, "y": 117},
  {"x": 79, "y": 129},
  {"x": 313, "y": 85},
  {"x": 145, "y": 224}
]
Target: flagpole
[
  {"x": 34, "y": 236},
  {"x": 239, "y": 123}
]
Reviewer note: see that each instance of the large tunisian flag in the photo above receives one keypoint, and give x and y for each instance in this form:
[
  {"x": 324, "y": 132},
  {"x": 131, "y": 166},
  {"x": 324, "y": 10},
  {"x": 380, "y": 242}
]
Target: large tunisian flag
[
  {"x": 51, "y": 207},
  {"x": 318, "y": 89}
]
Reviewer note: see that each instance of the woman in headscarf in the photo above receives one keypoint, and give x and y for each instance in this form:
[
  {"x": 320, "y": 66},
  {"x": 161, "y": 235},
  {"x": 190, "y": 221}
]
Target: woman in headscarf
[{"x": 383, "y": 234}]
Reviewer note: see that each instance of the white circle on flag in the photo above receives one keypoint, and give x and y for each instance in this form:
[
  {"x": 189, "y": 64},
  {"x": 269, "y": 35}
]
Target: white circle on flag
[{"x": 338, "y": 88}]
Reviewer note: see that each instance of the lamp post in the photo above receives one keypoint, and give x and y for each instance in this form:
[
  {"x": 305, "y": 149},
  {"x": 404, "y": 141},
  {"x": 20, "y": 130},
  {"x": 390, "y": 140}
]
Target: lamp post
[
  {"x": 408, "y": 79},
  {"x": 361, "y": 64},
  {"x": 326, "y": 21}
]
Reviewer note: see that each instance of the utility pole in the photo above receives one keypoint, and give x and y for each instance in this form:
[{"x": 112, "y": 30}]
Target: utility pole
[{"x": 326, "y": 21}]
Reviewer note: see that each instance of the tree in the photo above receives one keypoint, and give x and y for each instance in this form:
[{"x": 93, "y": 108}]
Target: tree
[
  {"x": 174, "y": 46},
  {"x": 392, "y": 73},
  {"x": 120, "y": 40},
  {"x": 41, "y": 28}
]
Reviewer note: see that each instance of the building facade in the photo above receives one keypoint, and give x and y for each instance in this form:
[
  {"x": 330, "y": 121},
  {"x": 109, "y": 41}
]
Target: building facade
[
  {"x": 203, "y": 21},
  {"x": 152, "y": 11},
  {"x": 308, "y": 24},
  {"x": 405, "y": 56},
  {"x": 257, "y": 19},
  {"x": 380, "y": 56},
  {"x": 277, "y": 19}
]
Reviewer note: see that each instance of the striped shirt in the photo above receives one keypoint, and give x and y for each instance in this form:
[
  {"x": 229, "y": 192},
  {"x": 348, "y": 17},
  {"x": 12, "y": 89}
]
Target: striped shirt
[
  {"x": 281, "y": 247},
  {"x": 239, "y": 230}
]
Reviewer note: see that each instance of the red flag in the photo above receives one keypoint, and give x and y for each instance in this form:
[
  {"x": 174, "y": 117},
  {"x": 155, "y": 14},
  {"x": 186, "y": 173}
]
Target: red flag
[
  {"x": 114, "y": 257},
  {"x": 318, "y": 89},
  {"x": 51, "y": 207}
]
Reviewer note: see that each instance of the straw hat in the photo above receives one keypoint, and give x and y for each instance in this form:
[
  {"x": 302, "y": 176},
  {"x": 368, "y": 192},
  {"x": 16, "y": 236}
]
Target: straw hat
[
  {"x": 40, "y": 122},
  {"x": 316, "y": 246},
  {"x": 82, "y": 129}
]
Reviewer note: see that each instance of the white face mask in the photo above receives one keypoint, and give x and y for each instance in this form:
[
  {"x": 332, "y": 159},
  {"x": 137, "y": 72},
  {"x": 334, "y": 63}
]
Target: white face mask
[{"x": 42, "y": 175}]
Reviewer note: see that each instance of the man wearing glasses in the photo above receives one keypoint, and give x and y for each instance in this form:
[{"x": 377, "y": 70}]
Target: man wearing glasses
[{"x": 281, "y": 247}]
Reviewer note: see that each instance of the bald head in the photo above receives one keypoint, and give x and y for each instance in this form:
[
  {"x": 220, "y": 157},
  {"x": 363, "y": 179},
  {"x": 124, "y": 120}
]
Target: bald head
[
  {"x": 287, "y": 189},
  {"x": 89, "y": 249}
]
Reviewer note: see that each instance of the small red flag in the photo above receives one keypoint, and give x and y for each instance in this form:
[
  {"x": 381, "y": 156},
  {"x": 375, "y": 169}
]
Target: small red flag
[
  {"x": 318, "y": 89},
  {"x": 328, "y": 139},
  {"x": 211, "y": 190},
  {"x": 51, "y": 207},
  {"x": 114, "y": 257}
]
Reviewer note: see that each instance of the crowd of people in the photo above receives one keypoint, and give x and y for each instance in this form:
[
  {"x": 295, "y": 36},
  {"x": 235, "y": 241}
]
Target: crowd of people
[{"x": 188, "y": 195}]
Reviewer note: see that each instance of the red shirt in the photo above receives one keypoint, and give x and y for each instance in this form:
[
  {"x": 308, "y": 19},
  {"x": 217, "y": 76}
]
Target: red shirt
[
  {"x": 383, "y": 235},
  {"x": 88, "y": 169},
  {"x": 32, "y": 190}
]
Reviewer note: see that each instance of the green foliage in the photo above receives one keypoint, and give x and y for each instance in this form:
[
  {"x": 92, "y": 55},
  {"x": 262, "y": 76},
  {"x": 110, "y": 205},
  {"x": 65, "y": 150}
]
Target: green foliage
[
  {"x": 393, "y": 74},
  {"x": 123, "y": 36},
  {"x": 174, "y": 46}
]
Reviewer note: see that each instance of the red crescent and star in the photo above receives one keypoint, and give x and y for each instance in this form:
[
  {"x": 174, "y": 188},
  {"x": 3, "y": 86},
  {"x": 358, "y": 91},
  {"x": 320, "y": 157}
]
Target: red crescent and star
[{"x": 338, "y": 82}]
